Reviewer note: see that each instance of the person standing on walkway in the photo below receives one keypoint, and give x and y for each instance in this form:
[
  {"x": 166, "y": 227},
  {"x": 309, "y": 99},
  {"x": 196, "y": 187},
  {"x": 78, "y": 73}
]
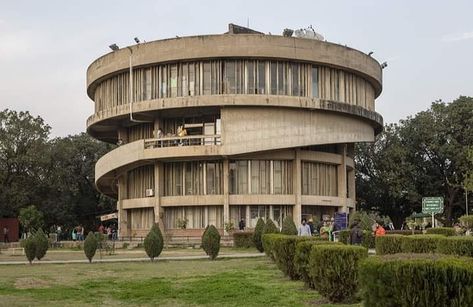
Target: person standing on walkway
[
  {"x": 242, "y": 225},
  {"x": 5, "y": 234},
  {"x": 356, "y": 234},
  {"x": 304, "y": 229}
]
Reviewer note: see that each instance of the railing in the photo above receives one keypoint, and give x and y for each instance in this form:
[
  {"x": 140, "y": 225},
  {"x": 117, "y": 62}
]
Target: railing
[{"x": 188, "y": 140}]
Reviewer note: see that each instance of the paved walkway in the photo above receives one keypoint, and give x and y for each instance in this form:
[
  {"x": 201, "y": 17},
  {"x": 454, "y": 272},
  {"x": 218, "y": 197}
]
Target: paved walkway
[{"x": 164, "y": 258}]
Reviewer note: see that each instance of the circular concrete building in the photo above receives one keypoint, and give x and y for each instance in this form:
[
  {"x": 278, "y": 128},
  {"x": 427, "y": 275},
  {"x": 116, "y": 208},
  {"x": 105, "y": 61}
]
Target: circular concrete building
[{"x": 215, "y": 128}]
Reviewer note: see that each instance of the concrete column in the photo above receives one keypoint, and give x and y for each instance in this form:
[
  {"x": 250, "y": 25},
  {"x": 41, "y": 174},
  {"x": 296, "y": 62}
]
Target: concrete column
[
  {"x": 123, "y": 223},
  {"x": 158, "y": 192},
  {"x": 123, "y": 135},
  {"x": 226, "y": 197},
  {"x": 297, "y": 180},
  {"x": 342, "y": 179}
]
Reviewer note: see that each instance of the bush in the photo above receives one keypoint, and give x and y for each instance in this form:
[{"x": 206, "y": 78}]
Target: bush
[
  {"x": 90, "y": 246},
  {"x": 404, "y": 232},
  {"x": 301, "y": 258},
  {"x": 389, "y": 244},
  {"x": 284, "y": 249},
  {"x": 288, "y": 226},
  {"x": 154, "y": 242},
  {"x": 243, "y": 239},
  {"x": 416, "y": 280},
  {"x": 333, "y": 270},
  {"x": 368, "y": 240},
  {"x": 42, "y": 244},
  {"x": 344, "y": 236},
  {"x": 420, "y": 243},
  {"x": 467, "y": 221},
  {"x": 30, "y": 248},
  {"x": 211, "y": 242},
  {"x": 446, "y": 231},
  {"x": 459, "y": 246},
  {"x": 268, "y": 242},
  {"x": 270, "y": 227},
  {"x": 257, "y": 240}
]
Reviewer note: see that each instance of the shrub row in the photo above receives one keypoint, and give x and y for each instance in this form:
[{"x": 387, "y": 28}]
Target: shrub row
[
  {"x": 393, "y": 244},
  {"x": 403, "y": 232},
  {"x": 329, "y": 267},
  {"x": 446, "y": 231},
  {"x": 416, "y": 280},
  {"x": 243, "y": 239}
]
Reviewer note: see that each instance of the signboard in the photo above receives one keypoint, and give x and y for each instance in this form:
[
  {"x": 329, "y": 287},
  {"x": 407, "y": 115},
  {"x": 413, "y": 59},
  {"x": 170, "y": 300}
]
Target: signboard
[
  {"x": 109, "y": 216},
  {"x": 432, "y": 205},
  {"x": 341, "y": 220}
]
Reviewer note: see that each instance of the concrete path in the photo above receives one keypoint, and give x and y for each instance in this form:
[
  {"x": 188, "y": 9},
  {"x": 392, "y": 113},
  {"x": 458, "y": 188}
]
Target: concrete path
[{"x": 164, "y": 258}]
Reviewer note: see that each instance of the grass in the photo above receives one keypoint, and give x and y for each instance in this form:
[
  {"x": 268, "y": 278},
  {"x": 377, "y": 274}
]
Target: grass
[{"x": 230, "y": 282}]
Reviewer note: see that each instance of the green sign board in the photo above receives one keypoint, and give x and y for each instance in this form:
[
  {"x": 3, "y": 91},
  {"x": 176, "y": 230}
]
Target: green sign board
[{"x": 432, "y": 205}]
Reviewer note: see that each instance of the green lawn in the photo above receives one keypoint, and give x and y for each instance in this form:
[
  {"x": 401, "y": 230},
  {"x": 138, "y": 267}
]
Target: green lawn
[{"x": 230, "y": 282}]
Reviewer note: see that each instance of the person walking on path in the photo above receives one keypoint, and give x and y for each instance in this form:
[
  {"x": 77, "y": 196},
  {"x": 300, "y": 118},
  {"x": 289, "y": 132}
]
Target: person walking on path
[
  {"x": 5, "y": 234},
  {"x": 242, "y": 225},
  {"x": 304, "y": 229}
]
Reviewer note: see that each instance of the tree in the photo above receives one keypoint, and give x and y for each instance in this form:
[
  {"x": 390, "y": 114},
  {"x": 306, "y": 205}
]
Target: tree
[
  {"x": 257, "y": 235},
  {"x": 30, "y": 218},
  {"x": 211, "y": 242},
  {"x": 270, "y": 227},
  {"x": 288, "y": 226},
  {"x": 154, "y": 242},
  {"x": 23, "y": 159},
  {"x": 424, "y": 155},
  {"x": 90, "y": 246}
]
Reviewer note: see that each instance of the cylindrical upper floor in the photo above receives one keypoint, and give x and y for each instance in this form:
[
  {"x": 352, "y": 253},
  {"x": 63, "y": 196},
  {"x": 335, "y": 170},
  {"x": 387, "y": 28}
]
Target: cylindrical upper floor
[{"x": 231, "y": 65}]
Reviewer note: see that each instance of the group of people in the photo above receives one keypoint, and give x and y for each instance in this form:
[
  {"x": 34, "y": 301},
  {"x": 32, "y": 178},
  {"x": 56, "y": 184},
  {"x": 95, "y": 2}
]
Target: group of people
[
  {"x": 78, "y": 233},
  {"x": 110, "y": 231},
  {"x": 356, "y": 232},
  {"x": 326, "y": 229}
]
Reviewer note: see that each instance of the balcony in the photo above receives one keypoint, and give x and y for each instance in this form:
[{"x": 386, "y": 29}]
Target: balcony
[{"x": 188, "y": 140}]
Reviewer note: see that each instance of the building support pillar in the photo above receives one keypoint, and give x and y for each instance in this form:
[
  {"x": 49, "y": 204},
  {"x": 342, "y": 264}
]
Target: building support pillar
[
  {"x": 342, "y": 180},
  {"x": 297, "y": 180},
  {"x": 158, "y": 192},
  {"x": 123, "y": 223},
  {"x": 226, "y": 196}
]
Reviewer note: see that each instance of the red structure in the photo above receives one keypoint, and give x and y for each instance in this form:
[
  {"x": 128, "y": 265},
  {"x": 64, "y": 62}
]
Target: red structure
[{"x": 13, "y": 227}]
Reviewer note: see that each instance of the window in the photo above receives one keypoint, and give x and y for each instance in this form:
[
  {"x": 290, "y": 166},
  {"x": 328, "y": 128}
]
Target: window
[
  {"x": 319, "y": 179},
  {"x": 206, "y": 79},
  {"x": 250, "y": 77},
  {"x": 239, "y": 177},
  {"x": 282, "y": 177},
  {"x": 214, "y": 178},
  {"x": 261, "y": 78},
  {"x": 229, "y": 81},
  {"x": 138, "y": 180},
  {"x": 274, "y": 78},
  {"x": 315, "y": 82},
  {"x": 260, "y": 176},
  {"x": 173, "y": 80},
  {"x": 295, "y": 80}
]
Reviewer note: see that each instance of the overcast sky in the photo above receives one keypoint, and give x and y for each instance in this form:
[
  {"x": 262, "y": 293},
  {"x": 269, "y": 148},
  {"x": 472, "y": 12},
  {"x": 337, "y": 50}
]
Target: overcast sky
[{"x": 46, "y": 46}]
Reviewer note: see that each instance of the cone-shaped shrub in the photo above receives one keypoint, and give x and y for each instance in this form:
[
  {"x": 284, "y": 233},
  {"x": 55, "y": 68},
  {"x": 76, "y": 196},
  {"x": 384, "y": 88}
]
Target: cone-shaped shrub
[
  {"x": 154, "y": 242},
  {"x": 90, "y": 246},
  {"x": 30, "y": 248},
  {"x": 211, "y": 242},
  {"x": 42, "y": 244},
  {"x": 288, "y": 226},
  {"x": 257, "y": 235},
  {"x": 270, "y": 227}
]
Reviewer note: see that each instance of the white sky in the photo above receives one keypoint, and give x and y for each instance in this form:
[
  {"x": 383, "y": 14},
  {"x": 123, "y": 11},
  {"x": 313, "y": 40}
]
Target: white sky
[{"x": 46, "y": 46}]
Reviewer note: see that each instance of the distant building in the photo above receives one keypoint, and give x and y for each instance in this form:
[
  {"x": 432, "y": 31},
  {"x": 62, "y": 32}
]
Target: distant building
[{"x": 249, "y": 125}]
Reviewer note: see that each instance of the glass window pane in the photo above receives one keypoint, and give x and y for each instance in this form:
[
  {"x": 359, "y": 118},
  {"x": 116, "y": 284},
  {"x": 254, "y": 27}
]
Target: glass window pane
[
  {"x": 250, "y": 77},
  {"x": 261, "y": 77},
  {"x": 274, "y": 78},
  {"x": 315, "y": 82}
]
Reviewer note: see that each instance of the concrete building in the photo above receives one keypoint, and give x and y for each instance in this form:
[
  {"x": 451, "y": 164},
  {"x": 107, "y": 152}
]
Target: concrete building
[{"x": 215, "y": 128}]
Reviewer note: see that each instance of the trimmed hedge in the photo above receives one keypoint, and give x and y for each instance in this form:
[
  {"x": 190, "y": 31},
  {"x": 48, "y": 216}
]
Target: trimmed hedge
[
  {"x": 267, "y": 242},
  {"x": 467, "y": 221},
  {"x": 211, "y": 242},
  {"x": 446, "y": 231},
  {"x": 301, "y": 258},
  {"x": 154, "y": 242},
  {"x": 389, "y": 244},
  {"x": 420, "y": 243},
  {"x": 270, "y": 227},
  {"x": 257, "y": 237},
  {"x": 403, "y": 232},
  {"x": 284, "y": 250},
  {"x": 288, "y": 226},
  {"x": 459, "y": 246},
  {"x": 416, "y": 280},
  {"x": 344, "y": 236},
  {"x": 90, "y": 246},
  {"x": 243, "y": 239},
  {"x": 333, "y": 270}
]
